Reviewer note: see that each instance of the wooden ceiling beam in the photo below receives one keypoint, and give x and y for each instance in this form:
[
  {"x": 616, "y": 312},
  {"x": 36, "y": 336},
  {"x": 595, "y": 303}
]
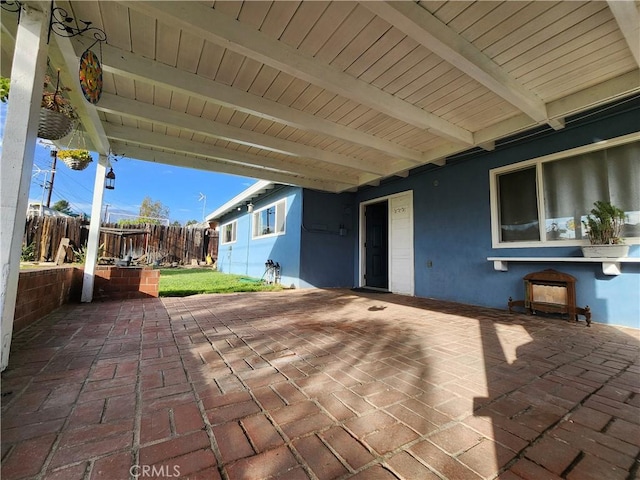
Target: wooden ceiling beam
[
  {"x": 628, "y": 18},
  {"x": 62, "y": 55},
  {"x": 223, "y": 30},
  {"x": 146, "y": 138},
  {"x": 209, "y": 164},
  {"x": 591, "y": 97},
  {"x": 163, "y": 116},
  {"x": 423, "y": 27},
  {"x": 140, "y": 68}
]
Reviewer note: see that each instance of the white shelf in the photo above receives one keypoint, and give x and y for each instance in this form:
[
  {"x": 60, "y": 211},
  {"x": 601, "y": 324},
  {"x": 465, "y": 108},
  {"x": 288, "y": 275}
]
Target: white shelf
[{"x": 610, "y": 266}]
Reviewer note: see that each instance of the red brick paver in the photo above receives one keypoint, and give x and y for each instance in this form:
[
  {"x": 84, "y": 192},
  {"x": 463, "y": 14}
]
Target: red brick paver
[{"x": 318, "y": 384}]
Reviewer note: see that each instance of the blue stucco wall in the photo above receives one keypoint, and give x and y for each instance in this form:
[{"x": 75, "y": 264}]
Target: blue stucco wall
[
  {"x": 452, "y": 228},
  {"x": 247, "y": 256},
  {"x": 452, "y": 231},
  {"x": 326, "y": 255}
]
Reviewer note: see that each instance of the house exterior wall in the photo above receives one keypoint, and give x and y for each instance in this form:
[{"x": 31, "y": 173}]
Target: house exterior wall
[
  {"x": 452, "y": 230},
  {"x": 247, "y": 255},
  {"x": 327, "y": 252}
]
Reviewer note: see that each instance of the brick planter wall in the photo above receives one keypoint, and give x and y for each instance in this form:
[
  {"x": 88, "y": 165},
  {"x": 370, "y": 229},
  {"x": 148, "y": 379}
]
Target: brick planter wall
[
  {"x": 117, "y": 283},
  {"x": 42, "y": 291}
]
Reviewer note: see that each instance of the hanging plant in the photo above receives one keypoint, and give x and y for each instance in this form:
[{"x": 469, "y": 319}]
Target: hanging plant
[
  {"x": 4, "y": 89},
  {"x": 57, "y": 116},
  {"x": 78, "y": 159}
]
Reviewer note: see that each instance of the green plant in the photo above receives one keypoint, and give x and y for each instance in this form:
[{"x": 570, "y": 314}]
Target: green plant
[
  {"x": 80, "y": 255},
  {"x": 77, "y": 154},
  {"x": 4, "y": 89},
  {"x": 54, "y": 100},
  {"x": 28, "y": 253},
  {"x": 604, "y": 224}
]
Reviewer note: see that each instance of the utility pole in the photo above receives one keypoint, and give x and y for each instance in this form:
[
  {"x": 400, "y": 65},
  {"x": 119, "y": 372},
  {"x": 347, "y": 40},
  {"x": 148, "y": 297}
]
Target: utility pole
[
  {"x": 38, "y": 171},
  {"x": 106, "y": 209},
  {"x": 54, "y": 155}
]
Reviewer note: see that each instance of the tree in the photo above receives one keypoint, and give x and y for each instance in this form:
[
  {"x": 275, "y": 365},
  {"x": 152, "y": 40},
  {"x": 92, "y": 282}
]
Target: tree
[
  {"x": 175, "y": 223},
  {"x": 190, "y": 222},
  {"x": 152, "y": 212},
  {"x": 63, "y": 207}
]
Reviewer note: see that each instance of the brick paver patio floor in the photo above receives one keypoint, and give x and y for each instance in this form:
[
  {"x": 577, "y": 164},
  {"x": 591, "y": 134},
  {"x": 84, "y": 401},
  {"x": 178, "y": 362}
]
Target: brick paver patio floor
[{"x": 318, "y": 384}]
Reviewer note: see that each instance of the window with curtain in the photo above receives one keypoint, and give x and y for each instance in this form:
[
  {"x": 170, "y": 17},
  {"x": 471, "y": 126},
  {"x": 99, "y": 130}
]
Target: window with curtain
[{"x": 546, "y": 201}]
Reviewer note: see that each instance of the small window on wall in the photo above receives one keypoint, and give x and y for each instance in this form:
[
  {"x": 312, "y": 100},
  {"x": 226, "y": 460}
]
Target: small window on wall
[
  {"x": 543, "y": 202},
  {"x": 269, "y": 220},
  {"x": 229, "y": 232}
]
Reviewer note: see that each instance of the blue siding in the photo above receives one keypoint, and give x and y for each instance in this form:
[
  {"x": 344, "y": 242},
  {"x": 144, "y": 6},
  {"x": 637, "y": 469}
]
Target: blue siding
[
  {"x": 326, "y": 255},
  {"x": 453, "y": 229},
  {"x": 247, "y": 256}
]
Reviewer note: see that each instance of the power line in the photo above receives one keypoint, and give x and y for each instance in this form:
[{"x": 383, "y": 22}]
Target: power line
[
  {"x": 63, "y": 194},
  {"x": 66, "y": 175},
  {"x": 66, "y": 188}
]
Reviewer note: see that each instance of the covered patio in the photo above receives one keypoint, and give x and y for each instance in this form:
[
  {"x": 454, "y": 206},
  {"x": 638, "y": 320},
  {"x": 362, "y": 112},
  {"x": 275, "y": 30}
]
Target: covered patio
[
  {"x": 329, "y": 96},
  {"x": 277, "y": 385}
]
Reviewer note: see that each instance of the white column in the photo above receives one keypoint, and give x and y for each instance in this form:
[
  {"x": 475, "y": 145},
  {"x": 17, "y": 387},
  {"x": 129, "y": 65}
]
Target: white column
[
  {"x": 18, "y": 149},
  {"x": 94, "y": 231}
]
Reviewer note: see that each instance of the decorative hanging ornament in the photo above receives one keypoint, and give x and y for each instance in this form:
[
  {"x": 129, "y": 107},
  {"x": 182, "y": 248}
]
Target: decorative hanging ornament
[
  {"x": 90, "y": 76},
  {"x": 90, "y": 71}
]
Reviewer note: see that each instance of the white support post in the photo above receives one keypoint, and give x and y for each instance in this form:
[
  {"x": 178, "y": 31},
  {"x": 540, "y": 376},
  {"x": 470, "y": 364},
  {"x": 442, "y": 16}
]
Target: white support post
[
  {"x": 18, "y": 149},
  {"x": 94, "y": 231}
]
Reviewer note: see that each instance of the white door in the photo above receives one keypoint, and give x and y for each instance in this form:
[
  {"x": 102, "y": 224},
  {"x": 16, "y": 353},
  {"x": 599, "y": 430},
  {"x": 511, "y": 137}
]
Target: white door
[{"x": 401, "y": 243}]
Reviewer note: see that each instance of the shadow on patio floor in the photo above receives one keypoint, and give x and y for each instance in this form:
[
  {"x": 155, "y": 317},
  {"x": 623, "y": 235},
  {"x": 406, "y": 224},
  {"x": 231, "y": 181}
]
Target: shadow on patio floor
[{"x": 317, "y": 384}]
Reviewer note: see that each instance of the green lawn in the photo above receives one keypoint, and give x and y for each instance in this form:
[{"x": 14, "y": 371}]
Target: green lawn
[{"x": 180, "y": 282}]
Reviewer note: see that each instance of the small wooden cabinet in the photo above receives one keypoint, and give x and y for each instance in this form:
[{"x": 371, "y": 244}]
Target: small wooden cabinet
[{"x": 551, "y": 291}]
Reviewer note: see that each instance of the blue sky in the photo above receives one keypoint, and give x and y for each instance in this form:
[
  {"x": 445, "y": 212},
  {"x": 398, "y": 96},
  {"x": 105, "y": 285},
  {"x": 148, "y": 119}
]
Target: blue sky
[{"x": 177, "y": 188}]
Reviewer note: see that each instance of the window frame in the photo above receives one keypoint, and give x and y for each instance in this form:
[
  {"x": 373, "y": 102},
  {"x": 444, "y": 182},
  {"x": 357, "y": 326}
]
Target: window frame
[
  {"x": 234, "y": 229},
  {"x": 254, "y": 216},
  {"x": 494, "y": 173}
]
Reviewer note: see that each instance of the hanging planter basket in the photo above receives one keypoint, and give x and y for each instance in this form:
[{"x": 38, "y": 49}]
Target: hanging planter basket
[
  {"x": 57, "y": 116},
  {"x": 54, "y": 125},
  {"x": 75, "y": 159}
]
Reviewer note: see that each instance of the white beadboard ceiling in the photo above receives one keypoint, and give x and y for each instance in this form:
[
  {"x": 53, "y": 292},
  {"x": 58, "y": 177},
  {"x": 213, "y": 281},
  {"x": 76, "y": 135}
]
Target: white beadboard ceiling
[{"x": 336, "y": 95}]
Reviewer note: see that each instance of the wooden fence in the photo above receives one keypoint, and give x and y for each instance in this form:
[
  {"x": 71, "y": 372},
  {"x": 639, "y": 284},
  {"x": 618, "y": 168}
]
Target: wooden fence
[
  {"x": 148, "y": 243},
  {"x": 45, "y": 234}
]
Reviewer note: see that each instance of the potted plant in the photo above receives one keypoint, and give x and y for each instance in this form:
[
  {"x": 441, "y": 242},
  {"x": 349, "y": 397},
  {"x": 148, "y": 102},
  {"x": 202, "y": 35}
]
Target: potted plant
[
  {"x": 604, "y": 227},
  {"x": 57, "y": 116},
  {"x": 77, "y": 159}
]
